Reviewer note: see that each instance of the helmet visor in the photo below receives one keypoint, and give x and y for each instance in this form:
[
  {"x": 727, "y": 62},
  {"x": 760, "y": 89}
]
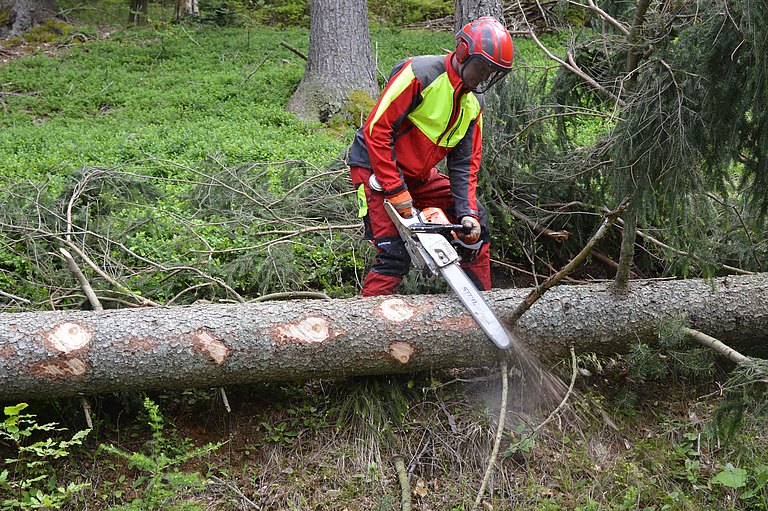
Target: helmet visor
[{"x": 478, "y": 74}]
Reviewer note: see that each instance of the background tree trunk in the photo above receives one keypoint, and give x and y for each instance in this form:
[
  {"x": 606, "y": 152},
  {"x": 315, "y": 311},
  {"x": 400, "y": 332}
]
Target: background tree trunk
[
  {"x": 185, "y": 8},
  {"x": 18, "y": 16},
  {"x": 340, "y": 59},
  {"x": 138, "y": 13},
  {"x": 51, "y": 354},
  {"x": 469, "y": 10}
]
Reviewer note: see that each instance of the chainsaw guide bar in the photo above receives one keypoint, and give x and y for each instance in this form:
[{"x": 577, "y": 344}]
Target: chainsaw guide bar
[{"x": 431, "y": 251}]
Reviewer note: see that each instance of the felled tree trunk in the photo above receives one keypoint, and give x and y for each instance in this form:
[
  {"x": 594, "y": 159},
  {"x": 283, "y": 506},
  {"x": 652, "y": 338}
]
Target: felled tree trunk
[{"x": 65, "y": 353}]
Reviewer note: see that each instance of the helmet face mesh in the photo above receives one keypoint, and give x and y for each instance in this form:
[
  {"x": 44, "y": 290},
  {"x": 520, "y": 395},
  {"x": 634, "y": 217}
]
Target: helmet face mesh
[{"x": 493, "y": 76}]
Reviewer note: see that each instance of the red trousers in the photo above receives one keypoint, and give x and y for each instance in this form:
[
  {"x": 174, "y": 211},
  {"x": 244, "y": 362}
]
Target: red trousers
[{"x": 392, "y": 260}]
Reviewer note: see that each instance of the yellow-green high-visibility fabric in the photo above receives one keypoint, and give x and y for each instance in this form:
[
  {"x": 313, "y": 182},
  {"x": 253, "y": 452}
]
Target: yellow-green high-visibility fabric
[
  {"x": 393, "y": 91},
  {"x": 432, "y": 116},
  {"x": 362, "y": 201}
]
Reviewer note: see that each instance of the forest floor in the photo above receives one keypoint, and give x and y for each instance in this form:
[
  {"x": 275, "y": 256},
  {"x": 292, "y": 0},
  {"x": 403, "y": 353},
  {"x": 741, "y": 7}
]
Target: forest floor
[{"x": 617, "y": 444}]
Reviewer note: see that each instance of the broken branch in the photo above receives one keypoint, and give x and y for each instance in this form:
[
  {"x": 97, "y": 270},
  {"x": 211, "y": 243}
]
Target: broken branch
[
  {"x": 82, "y": 279},
  {"x": 610, "y": 218},
  {"x": 720, "y": 347}
]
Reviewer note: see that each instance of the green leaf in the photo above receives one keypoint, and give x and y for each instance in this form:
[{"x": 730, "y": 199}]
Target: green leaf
[
  {"x": 80, "y": 435},
  {"x": 731, "y": 477},
  {"x": 14, "y": 410},
  {"x": 761, "y": 478}
]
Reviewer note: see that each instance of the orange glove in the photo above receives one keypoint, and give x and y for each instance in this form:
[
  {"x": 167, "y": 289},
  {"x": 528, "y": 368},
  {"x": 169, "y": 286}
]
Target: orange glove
[
  {"x": 471, "y": 230},
  {"x": 403, "y": 203}
]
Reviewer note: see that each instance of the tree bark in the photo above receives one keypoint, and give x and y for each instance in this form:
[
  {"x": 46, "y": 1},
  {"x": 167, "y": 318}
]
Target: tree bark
[
  {"x": 627, "y": 254},
  {"x": 469, "y": 10},
  {"x": 18, "y": 16},
  {"x": 50, "y": 354},
  {"x": 340, "y": 59}
]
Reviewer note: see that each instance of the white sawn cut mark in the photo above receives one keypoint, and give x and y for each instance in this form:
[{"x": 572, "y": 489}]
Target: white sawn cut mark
[
  {"x": 310, "y": 330},
  {"x": 401, "y": 351},
  {"x": 68, "y": 337},
  {"x": 210, "y": 345},
  {"x": 396, "y": 310}
]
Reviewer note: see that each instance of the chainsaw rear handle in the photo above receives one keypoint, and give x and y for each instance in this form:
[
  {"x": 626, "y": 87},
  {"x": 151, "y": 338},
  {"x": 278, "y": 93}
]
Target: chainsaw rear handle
[{"x": 466, "y": 251}]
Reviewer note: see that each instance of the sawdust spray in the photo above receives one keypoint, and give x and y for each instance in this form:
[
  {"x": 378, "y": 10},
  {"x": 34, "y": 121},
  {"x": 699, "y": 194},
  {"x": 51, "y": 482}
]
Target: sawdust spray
[{"x": 534, "y": 391}]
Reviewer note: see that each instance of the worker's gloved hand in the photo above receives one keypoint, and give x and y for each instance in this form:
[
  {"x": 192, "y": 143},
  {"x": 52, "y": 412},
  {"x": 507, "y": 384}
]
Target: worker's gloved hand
[
  {"x": 403, "y": 203},
  {"x": 471, "y": 230}
]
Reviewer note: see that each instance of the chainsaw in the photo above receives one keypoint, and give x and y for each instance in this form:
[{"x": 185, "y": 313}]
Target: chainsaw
[{"x": 434, "y": 248}]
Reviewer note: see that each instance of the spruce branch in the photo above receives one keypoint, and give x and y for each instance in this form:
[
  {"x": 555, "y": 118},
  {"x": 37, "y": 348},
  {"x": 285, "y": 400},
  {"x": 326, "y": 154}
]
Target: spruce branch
[{"x": 552, "y": 281}]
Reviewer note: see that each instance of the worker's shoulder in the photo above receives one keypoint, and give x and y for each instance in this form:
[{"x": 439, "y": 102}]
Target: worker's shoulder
[
  {"x": 429, "y": 62},
  {"x": 428, "y": 67}
]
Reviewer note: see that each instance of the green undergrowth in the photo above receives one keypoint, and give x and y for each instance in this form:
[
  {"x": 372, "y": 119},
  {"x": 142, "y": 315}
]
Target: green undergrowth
[
  {"x": 177, "y": 94},
  {"x": 173, "y": 143},
  {"x": 326, "y": 445}
]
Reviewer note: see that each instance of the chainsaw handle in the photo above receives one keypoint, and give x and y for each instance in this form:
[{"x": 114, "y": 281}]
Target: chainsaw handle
[
  {"x": 436, "y": 228},
  {"x": 474, "y": 247}
]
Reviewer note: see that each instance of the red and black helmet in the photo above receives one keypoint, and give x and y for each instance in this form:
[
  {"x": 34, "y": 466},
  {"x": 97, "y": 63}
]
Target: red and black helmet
[{"x": 486, "y": 39}]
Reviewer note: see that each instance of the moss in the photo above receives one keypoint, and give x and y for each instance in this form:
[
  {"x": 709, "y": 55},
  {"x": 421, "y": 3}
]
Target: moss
[
  {"x": 51, "y": 30},
  {"x": 359, "y": 102},
  {"x": 13, "y": 41},
  {"x": 355, "y": 109},
  {"x": 5, "y": 15}
]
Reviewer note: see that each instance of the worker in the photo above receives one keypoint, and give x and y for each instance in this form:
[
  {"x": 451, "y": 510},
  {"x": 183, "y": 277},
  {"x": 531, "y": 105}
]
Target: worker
[{"x": 430, "y": 110}]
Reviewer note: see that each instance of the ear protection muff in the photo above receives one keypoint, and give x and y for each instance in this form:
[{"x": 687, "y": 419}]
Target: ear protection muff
[{"x": 462, "y": 51}]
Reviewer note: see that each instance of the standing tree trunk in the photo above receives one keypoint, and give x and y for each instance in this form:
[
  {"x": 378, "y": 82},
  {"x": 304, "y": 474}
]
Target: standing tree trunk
[
  {"x": 138, "y": 13},
  {"x": 627, "y": 254},
  {"x": 185, "y": 8},
  {"x": 48, "y": 354},
  {"x": 469, "y": 10},
  {"x": 635, "y": 49},
  {"x": 340, "y": 59},
  {"x": 18, "y": 16}
]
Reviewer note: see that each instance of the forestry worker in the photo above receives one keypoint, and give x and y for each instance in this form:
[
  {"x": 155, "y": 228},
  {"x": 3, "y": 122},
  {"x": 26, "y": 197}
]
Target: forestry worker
[{"x": 430, "y": 110}]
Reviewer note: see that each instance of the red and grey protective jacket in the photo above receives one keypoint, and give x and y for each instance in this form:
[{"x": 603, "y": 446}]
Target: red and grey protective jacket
[{"x": 424, "y": 114}]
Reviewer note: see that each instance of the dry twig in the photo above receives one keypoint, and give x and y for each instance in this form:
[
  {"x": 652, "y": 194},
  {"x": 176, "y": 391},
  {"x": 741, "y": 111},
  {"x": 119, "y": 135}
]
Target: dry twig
[
  {"x": 402, "y": 476},
  {"x": 499, "y": 434},
  {"x": 83, "y": 280},
  {"x": 294, "y": 50}
]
